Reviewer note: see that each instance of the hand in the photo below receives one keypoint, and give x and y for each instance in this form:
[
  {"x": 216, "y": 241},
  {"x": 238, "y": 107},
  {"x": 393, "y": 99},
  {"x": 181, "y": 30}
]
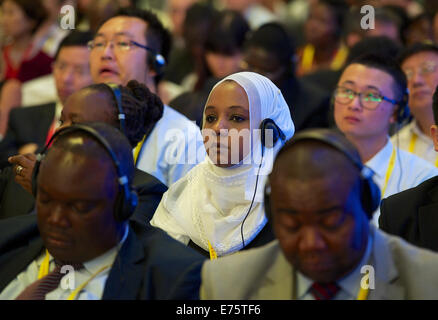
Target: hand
[{"x": 23, "y": 167}]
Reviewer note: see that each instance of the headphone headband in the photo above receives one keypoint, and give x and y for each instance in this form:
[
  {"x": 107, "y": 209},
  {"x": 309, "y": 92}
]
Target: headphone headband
[
  {"x": 370, "y": 192},
  {"x": 128, "y": 201}
]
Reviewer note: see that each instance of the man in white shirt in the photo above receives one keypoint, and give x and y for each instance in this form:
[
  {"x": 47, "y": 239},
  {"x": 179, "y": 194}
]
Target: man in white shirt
[
  {"x": 370, "y": 96},
  {"x": 84, "y": 202},
  {"x": 420, "y": 65},
  {"x": 135, "y": 45},
  {"x": 326, "y": 249}
]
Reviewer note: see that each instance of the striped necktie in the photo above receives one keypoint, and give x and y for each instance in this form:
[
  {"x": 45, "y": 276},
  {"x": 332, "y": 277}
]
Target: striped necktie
[
  {"x": 324, "y": 291},
  {"x": 38, "y": 289}
]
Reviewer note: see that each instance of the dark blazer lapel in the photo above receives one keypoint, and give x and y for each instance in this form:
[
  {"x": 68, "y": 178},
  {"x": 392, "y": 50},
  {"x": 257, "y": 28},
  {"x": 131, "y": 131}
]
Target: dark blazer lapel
[
  {"x": 16, "y": 261},
  {"x": 428, "y": 221},
  {"x": 126, "y": 275}
]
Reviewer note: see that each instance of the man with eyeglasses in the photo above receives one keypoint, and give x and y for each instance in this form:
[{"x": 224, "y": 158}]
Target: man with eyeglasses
[
  {"x": 420, "y": 64},
  {"x": 367, "y": 99},
  {"x": 134, "y": 45}
]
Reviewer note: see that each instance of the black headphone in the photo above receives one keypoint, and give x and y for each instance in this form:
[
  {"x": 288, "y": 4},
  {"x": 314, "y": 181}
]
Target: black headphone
[
  {"x": 127, "y": 198},
  {"x": 369, "y": 190},
  {"x": 156, "y": 61},
  {"x": 267, "y": 124},
  {"x": 115, "y": 89}
]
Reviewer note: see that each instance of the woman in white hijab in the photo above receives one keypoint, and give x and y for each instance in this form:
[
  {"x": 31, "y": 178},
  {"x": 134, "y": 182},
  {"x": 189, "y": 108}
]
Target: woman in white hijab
[{"x": 218, "y": 206}]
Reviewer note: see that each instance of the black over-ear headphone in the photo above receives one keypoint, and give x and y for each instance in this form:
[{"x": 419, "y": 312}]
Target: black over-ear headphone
[
  {"x": 156, "y": 61},
  {"x": 369, "y": 190},
  {"x": 115, "y": 89},
  {"x": 127, "y": 198},
  {"x": 267, "y": 124}
]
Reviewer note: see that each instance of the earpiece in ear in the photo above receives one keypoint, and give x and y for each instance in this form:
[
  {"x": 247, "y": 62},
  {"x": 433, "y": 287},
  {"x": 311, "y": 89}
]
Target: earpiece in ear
[{"x": 269, "y": 124}]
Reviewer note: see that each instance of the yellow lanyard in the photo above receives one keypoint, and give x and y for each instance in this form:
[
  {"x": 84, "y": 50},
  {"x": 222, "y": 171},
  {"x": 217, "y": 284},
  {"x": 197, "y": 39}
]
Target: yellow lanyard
[
  {"x": 137, "y": 150},
  {"x": 363, "y": 294},
  {"x": 336, "y": 64},
  {"x": 213, "y": 254},
  {"x": 73, "y": 295},
  {"x": 412, "y": 146},
  {"x": 389, "y": 171},
  {"x": 44, "y": 270}
]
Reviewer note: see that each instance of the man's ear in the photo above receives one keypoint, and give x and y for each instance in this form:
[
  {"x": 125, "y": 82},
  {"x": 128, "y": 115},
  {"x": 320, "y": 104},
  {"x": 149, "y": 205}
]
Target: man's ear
[{"x": 434, "y": 135}]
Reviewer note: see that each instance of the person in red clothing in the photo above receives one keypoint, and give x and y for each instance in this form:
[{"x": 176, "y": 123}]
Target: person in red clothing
[{"x": 21, "y": 57}]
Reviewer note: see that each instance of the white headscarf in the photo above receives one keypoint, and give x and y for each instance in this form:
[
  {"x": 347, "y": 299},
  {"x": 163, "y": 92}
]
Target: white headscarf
[{"x": 210, "y": 203}]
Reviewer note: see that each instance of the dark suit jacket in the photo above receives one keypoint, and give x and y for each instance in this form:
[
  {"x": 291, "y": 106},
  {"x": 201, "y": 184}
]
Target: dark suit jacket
[
  {"x": 147, "y": 266},
  {"x": 26, "y": 125},
  {"x": 15, "y": 201},
  {"x": 413, "y": 214}
]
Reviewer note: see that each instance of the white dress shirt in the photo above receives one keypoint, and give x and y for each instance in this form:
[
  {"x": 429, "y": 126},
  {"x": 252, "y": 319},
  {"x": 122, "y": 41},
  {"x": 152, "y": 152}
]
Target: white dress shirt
[
  {"x": 92, "y": 291},
  {"x": 408, "y": 172},
  {"x": 174, "y": 146},
  {"x": 423, "y": 145},
  {"x": 38, "y": 91}
]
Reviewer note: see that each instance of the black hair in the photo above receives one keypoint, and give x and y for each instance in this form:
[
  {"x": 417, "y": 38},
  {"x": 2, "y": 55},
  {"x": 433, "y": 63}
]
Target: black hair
[
  {"x": 396, "y": 15},
  {"x": 34, "y": 10},
  {"x": 379, "y": 45},
  {"x": 199, "y": 17},
  {"x": 388, "y": 66},
  {"x": 75, "y": 39},
  {"x": 339, "y": 9},
  {"x": 416, "y": 48},
  {"x": 227, "y": 33},
  {"x": 157, "y": 36},
  {"x": 141, "y": 107},
  {"x": 274, "y": 38}
]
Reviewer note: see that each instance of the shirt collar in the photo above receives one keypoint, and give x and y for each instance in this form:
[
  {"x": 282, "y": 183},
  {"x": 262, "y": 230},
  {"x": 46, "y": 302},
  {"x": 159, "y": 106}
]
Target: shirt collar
[
  {"x": 107, "y": 258},
  {"x": 350, "y": 283},
  {"x": 57, "y": 117},
  {"x": 379, "y": 163}
]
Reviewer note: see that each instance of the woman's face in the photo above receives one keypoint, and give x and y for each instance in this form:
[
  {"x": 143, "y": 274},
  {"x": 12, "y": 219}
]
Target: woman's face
[
  {"x": 223, "y": 65},
  {"x": 15, "y": 23},
  {"x": 226, "y": 128},
  {"x": 320, "y": 26}
]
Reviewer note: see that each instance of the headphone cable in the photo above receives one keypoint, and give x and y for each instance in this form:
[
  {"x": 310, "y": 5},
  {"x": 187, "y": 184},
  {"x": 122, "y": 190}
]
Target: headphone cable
[{"x": 253, "y": 197}]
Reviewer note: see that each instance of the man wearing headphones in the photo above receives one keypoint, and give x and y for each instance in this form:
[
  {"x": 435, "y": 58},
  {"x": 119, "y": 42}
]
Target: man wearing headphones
[
  {"x": 134, "y": 45},
  {"x": 80, "y": 244},
  {"x": 370, "y": 96},
  {"x": 325, "y": 247}
]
